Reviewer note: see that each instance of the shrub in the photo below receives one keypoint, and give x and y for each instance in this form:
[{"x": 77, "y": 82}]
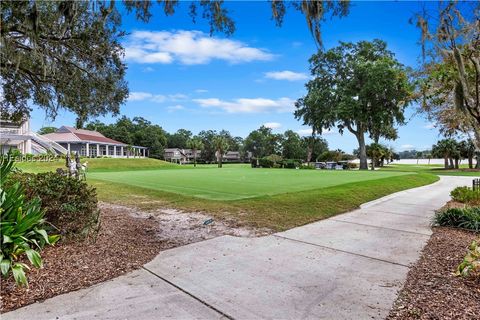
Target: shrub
[
  {"x": 275, "y": 158},
  {"x": 70, "y": 204},
  {"x": 291, "y": 163},
  {"x": 21, "y": 228},
  {"x": 352, "y": 165},
  {"x": 265, "y": 162},
  {"x": 467, "y": 218},
  {"x": 471, "y": 263},
  {"x": 466, "y": 195},
  {"x": 307, "y": 167}
]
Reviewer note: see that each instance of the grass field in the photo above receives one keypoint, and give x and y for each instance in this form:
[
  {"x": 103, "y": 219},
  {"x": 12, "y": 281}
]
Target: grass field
[
  {"x": 237, "y": 182},
  {"x": 101, "y": 165},
  {"x": 432, "y": 169},
  {"x": 277, "y": 199}
]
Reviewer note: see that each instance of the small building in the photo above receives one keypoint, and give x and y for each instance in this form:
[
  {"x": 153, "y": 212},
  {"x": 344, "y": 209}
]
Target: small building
[
  {"x": 90, "y": 143},
  {"x": 232, "y": 156},
  {"x": 178, "y": 155},
  {"x": 17, "y": 135}
]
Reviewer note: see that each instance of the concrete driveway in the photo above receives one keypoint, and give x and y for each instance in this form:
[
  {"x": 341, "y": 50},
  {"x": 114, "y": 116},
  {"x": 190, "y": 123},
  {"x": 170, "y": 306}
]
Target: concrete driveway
[{"x": 347, "y": 267}]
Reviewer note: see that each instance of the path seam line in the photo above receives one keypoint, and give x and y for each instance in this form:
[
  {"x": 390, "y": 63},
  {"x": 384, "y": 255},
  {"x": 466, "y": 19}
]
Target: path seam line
[
  {"x": 190, "y": 294},
  {"x": 400, "y": 214},
  {"x": 344, "y": 251},
  {"x": 378, "y": 227}
]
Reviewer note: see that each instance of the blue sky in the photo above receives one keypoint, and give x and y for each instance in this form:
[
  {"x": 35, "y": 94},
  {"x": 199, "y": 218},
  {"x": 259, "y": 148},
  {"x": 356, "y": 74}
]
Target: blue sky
[{"x": 180, "y": 77}]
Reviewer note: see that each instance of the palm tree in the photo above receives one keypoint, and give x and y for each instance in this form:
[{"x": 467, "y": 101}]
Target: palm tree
[
  {"x": 419, "y": 155},
  {"x": 428, "y": 155},
  {"x": 195, "y": 144},
  {"x": 448, "y": 149},
  {"x": 221, "y": 146}
]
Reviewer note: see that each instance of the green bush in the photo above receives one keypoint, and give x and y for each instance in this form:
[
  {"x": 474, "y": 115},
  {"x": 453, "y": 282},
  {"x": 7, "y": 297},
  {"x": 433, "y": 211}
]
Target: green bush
[
  {"x": 466, "y": 195},
  {"x": 291, "y": 163},
  {"x": 265, "y": 162},
  {"x": 352, "y": 165},
  {"x": 307, "y": 167},
  {"x": 21, "y": 228},
  {"x": 466, "y": 218},
  {"x": 70, "y": 204},
  {"x": 471, "y": 263}
]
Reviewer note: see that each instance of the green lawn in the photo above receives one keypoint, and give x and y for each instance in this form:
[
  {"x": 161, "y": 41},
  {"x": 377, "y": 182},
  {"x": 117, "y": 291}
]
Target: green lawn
[
  {"x": 432, "y": 169},
  {"x": 101, "y": 165},
  {"x": 238, "y": 182},
  {"x": 277, "y": 199}
]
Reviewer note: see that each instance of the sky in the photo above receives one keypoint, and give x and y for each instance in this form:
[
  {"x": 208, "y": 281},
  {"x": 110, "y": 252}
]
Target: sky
[{"x": 181, "y": 77}]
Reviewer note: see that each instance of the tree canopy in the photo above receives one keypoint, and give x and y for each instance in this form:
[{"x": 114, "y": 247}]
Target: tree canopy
[
  {"x": 450, "y": 76},
  {"x": 138, "y": 132},
  {"x": 63, "y": 54},
  {"x": 68, "y": 54},
  {"x": 359, "y": 87}
]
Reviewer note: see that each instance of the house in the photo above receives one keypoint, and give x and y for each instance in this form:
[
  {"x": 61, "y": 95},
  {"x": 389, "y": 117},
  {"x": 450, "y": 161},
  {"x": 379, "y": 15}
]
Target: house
[
  {"x": 17, "y": 135},
  {"x": 90, "y": 143},
  {"x": 178, "y": 155},
  {"x": 232, "y": 156}
]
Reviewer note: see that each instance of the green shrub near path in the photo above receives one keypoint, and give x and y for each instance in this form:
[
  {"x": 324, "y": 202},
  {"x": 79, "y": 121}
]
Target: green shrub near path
[
  {"x": 21, "y": 228},
  {"x": 466, "y": 218},
  {"x": 70, "y": 204},
  {"x": 466, "y": 195}
]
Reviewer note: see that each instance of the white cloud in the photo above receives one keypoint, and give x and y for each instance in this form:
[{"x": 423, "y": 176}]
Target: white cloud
[
  {"x": 188, "y": 47},
  {"x": 272, "y": 125},
  {"x": 148, "y": 69},
  {"x": 429, "y": 125},
  {"x": 308, "y": 132},
  {"x": 175, "y": 108},
  {"x": 286, "y": 75},
  {"x": 158, "y": 98},
  {"x": 245, "y": 105},
  {"x": 407, "y": 146},
  {"x": 177, "y": 97},
  {"x": 201, "y": 91},
  {"x": 305, "y": 132}
]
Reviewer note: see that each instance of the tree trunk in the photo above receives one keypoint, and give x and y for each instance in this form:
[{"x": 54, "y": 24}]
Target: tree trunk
[
  {"x": 456, "y": 163},
  {"x": 309, "y": 154},
  {"x": 362, "y": 154},
  {"x": 451, "y": 163},
  {"x": 446, "y": 162},
  {"x": 470, "y": 162},
  {"x": 194, "y": 158},
  {"x": 219, "y": 159}
]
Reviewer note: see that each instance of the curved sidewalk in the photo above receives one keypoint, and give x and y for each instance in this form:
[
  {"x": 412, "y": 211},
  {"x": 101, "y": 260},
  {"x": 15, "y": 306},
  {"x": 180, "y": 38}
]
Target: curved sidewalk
[{"x": 347, "y": 267}]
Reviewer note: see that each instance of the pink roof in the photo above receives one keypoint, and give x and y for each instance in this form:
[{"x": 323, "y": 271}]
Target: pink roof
[{"x": 70, "y": 134}]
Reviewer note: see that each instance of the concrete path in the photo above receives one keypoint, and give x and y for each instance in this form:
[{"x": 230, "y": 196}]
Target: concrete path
[{"x": 347, "y": 267}]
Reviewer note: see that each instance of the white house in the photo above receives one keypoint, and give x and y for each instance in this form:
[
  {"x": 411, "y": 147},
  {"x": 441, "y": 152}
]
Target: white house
[
  {"x": 18, "y": 135},
  {"x": 90, "y": 143}
]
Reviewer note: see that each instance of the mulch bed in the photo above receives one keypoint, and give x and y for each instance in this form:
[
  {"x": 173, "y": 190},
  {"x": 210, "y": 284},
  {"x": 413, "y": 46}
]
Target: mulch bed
[
  {"x": 124, "y": 243},
  {"x": 432, "y": 291}
]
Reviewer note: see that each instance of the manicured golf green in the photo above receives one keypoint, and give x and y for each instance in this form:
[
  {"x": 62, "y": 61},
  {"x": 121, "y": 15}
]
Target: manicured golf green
[{"x": 238, "y": 182}]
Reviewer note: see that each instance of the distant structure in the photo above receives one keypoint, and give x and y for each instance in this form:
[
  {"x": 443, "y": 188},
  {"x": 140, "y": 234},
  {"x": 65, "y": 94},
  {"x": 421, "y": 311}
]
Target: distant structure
[
  {"x": 178, "y": 155},
  {"x": 183, "y": 156},
  {"x": 17, "y": 135},
  {"x": 88, "y": 143}
]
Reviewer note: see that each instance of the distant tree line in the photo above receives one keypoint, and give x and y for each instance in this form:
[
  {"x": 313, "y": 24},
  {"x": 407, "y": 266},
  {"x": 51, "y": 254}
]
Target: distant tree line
[{"x": 208, "y": 144}]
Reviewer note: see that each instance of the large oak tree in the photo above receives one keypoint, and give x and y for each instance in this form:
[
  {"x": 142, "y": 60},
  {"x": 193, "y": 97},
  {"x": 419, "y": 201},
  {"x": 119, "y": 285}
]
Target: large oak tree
[
  {"x": 359, "y": 87},
  {"x": 68, "y": 55}
]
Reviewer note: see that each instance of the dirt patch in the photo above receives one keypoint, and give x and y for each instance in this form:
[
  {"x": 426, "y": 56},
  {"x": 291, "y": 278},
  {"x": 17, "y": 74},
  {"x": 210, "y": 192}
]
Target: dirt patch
[
  {"x": 432, "y": 291},
  {"x": 128, "y": 238},
  {"x": 188, "y": 227}
]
